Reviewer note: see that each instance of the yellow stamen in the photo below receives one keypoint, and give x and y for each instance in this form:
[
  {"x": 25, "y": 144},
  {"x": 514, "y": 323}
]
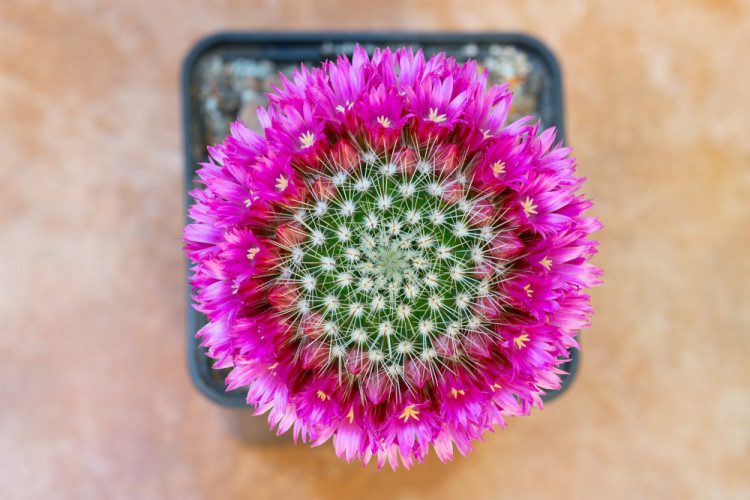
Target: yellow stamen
[
  {"x": 251, "y": 253},
  {"x": 342, "y": 109},
  {"x": 409, "y": 411},
  {"x": 281, "y": 183},
  {"x": 455, "y": 392},
  {"x": 528, "y": 206},
  {"x": 521, "y": 340},
  {"x": 435, "y": 117},
  {"x": 546, "y": 263},
  {"x": 323, "y": 396},
  {"x": 495, "y": 386},
  {"x": 498, "y": 167},
  {"x": 384, "y": 121},
  {"x": 528, "y": 290},
  {"x": 350, "y": 415},
  {"x": 486, "y": 133},
  {"x": 307, "y": 139}
]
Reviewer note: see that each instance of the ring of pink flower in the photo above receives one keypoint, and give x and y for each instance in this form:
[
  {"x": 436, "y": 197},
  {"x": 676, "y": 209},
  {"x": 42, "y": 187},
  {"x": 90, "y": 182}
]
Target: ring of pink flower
[{"x": 395, "y": 116}]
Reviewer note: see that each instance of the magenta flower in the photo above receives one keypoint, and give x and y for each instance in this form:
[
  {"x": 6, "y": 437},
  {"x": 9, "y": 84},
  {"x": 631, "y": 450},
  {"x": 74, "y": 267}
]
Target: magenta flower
[{"x": 389, "y": 266}]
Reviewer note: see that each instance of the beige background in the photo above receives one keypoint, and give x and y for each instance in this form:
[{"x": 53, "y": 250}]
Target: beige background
[{"x": 95, "y": 401}]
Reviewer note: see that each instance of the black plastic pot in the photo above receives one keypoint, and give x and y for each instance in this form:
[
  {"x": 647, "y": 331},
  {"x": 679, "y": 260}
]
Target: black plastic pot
[{"x": 207, "y": 72}]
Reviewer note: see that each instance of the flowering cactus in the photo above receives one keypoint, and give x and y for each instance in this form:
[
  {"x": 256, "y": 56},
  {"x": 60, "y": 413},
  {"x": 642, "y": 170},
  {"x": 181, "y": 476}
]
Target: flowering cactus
[{"x": 391, "y": 266}]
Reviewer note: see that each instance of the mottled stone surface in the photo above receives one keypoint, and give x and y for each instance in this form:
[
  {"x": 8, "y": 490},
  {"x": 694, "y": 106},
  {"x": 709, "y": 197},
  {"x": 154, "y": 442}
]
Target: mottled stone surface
[{"x": 95, "y": 401}]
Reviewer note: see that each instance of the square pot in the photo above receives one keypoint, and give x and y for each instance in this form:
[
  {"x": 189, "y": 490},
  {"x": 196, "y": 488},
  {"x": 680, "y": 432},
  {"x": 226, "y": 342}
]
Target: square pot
[{"x": 226, "y": 75}]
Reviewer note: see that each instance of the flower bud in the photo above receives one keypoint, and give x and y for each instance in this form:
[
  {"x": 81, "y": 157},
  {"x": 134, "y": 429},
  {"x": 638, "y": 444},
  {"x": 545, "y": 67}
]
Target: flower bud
[
  {"x": 445, "y": 346},
  {"x": 289, "y": 234},
  {"x": 377, "y": 387},
  {"x": 345, "y": 156},
  {"x": 475, "y": 345},
  {"x": 406, "y": 159},
  {"x": 484, "y": 270},
  {"x": 323, "y": 189},
  {"x": 506, "y": 245},
  {"x": 452, "y": 192},
  {"x": 481, "y": 214},
  {"x": 357, "y": 361},
  {"x": 283, "y": 297},
  {"x": 312, "y": 325},
  {"x": 417, "y": 373},
  {"x": 485, "y": 307},
  {"x": 445, "y": 159},
  {"x": 315, "y": 355}
]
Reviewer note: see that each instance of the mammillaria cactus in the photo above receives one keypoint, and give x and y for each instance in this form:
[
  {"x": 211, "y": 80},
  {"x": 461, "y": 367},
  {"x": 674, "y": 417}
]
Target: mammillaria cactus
[{"x": 390, "y": 266}]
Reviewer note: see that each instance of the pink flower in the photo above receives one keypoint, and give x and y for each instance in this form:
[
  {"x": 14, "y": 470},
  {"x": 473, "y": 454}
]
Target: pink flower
[{"x": 389, "y": 266}]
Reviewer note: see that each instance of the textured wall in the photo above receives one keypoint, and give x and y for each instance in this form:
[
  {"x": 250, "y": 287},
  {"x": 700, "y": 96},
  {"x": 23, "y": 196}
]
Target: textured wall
[{"x": 95, "y": 401}]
